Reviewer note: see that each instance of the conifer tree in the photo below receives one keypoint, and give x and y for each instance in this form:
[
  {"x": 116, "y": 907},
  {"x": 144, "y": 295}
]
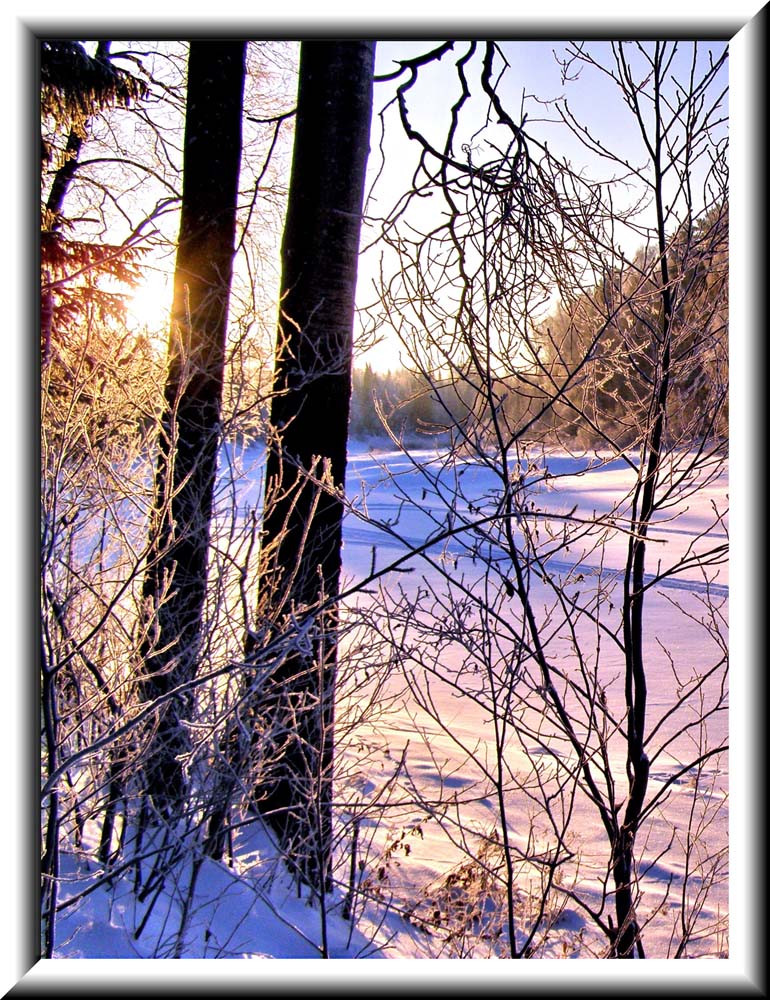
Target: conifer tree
[{"x": 74, "y": 88}]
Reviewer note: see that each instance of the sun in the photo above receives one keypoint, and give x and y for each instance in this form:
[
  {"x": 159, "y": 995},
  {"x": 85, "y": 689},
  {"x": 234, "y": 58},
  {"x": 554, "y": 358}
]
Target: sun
[{"x": 149, "y": 304}]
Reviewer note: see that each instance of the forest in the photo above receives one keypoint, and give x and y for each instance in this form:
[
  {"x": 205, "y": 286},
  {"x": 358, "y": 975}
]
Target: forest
[{"x": 383, "y": 607}]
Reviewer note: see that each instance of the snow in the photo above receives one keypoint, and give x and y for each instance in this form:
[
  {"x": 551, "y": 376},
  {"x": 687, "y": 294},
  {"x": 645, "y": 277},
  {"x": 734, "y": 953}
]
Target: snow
[{"x": 252, "y": 910}]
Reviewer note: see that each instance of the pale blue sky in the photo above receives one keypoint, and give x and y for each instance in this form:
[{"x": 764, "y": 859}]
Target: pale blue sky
[{"x": 533, "y": 70}]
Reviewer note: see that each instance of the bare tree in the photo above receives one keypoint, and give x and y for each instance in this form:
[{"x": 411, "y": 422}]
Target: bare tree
[
  {"x": 75, "y": 88},
  {"x": 556, "y": 657}
]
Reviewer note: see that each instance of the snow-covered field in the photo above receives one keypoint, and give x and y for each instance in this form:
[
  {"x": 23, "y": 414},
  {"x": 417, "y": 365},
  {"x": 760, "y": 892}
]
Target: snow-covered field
[
  {"x": 677, "y": 649},
  {"x": 435, "y": 750}
]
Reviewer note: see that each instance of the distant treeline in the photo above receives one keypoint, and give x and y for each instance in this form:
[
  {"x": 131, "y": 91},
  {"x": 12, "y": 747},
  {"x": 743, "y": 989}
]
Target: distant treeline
[
  {"x": 410, "y": 405},
  {"x": 588, "y": 375}
]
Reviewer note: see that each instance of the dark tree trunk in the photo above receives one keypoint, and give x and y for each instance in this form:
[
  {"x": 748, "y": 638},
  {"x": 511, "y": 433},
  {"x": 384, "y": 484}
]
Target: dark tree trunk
[
  {"x": 175, "y": 582},
  {"x": 63, "y": 178},
  {"x": 302, "y": 532}
]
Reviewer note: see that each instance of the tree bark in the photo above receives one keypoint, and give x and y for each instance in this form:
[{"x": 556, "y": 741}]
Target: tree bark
[
  {"x": 174, "y": 587},
  {"x": 300, "y": 556}
]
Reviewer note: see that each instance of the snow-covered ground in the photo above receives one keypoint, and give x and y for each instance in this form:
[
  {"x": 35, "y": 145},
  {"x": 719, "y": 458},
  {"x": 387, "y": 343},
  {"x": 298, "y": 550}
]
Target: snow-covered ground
[
  {"x": 251, "y": 910},
  {"x": 677, "y": 648}
]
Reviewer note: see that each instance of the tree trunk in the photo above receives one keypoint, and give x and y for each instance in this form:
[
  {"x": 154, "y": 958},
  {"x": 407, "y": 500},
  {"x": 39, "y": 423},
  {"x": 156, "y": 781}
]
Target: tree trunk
[
  {"x": 300, "y": 557},
  {"x": 643, "y": 508},
  {"x": 175, "y": 582}
]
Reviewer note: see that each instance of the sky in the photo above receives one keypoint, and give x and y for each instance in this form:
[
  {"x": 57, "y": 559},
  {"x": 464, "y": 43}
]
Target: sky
[
  {"x": 533, "y": 71},
  {"x": 533, "y": 81}
]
